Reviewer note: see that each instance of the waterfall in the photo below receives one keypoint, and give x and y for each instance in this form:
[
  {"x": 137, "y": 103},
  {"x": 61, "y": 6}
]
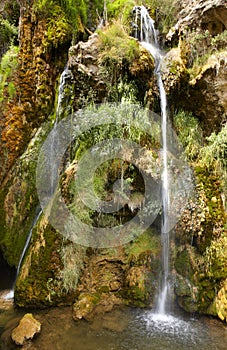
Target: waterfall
[
  {"x": 62, "y": 103},
  {"x": 63, "y": 95},
  {"x": 147, "y": 35},
  {"x": 10, "y": 295}
]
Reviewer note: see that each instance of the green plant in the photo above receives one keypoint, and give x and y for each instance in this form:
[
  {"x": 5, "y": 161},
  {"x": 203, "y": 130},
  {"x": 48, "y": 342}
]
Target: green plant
[
  {"x": 117, "y": 51},
  {"x": 72, "y": 258},
  {"x": 202, "y": 46},
  {"x": 219, "y": 41},
  {"x": 120, "y": 9},
  {"x": 7, "y": 69},
  {"x": 215, "y": 258},
  {"x": 189, "y": 133},
  {"x": 214, "y": 154},
  {"x": 165, "y": 13}
]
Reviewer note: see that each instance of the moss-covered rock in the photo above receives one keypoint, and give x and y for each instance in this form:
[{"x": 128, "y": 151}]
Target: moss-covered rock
[{"x": 19, "y": 199}]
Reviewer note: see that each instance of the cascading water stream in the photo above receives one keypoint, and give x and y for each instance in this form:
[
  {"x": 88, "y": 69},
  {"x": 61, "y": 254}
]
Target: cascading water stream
[
  {"x": 62, "y": 106},
  {"x": 10, "y": 295},
  {"x": 66, "y": 75},
  {"x": 147, "y": 35}
]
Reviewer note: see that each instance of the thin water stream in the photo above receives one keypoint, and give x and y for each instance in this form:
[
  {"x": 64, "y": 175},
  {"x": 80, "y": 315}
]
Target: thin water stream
[
  {"x": 10, "y": 294},
  {"x": 148, "y": 38}
]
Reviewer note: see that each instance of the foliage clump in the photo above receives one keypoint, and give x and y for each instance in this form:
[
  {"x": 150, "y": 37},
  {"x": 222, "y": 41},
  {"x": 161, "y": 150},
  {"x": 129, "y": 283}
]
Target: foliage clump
[
  {"x": 189, "y": 133},
  {"x": 8, "y": 67},
  {"x": 116, "y": 46},
  {"x": 215, "y": 258},
  {"x": 68, "y": 18}
]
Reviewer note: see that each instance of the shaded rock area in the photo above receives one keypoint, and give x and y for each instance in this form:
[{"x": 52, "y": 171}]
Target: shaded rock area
[{"x": 26, "y": 330}]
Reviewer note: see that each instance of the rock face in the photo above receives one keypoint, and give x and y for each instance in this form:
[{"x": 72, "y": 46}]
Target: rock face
[
  {"x": 26, "y": 330},
  {"x": 118, "y": 276},
  {"x": 195, "y": 71},
  {"x": 209, "y": 84},
  {"x": 211, "y": 107},
  {"x": 94, "y": 82},
  {"x": 208, "y": 15}
]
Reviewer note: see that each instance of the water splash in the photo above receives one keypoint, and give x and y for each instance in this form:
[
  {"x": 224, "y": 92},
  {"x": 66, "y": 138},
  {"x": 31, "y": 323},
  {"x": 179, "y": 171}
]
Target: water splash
[{"x": 147, "y": 35}]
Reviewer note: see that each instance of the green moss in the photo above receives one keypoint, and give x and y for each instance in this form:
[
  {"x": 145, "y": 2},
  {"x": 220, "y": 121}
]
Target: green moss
[
  {"x": 20, "y": 200},
  {"x": 215, "y": 258},
  {"x": 183, "y": 264},
  {"x": 39, "y": 286},
  {"x": 8, "y": 67},
  {"x": 212, "y": 213},
  {"x": 67, "y": 18},
  {"x": 117, "y": 51},
  {"x": 147, "y": 241}
]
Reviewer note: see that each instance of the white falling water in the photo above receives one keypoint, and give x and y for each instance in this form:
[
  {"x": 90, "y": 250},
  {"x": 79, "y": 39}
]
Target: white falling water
[
  {"x": 10, "y": 295},
  {"x": 65, "y": 76},
  {"x": 147, "y": 35},
  {"x": 62, "y": 105}
]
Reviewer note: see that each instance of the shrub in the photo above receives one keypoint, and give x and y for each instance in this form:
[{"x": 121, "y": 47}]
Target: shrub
[{"x": 189, "y": 132}]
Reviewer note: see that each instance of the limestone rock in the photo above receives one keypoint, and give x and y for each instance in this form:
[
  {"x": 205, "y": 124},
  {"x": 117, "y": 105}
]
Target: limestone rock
[
  {"x": 209, "y": 15},
  {"x": 219, "y": 307},
  {"x": 173, "y": 70},
  {"x": 91, "y": 304},
  {"x": 83, "y": 62},
  {"x": 27, "y": 329},
  {"x": 211, "y": 86}
]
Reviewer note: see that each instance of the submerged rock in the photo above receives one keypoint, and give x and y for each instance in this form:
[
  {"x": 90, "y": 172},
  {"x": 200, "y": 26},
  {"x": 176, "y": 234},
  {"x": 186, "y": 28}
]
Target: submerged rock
[{"x": 26, "y": 330}]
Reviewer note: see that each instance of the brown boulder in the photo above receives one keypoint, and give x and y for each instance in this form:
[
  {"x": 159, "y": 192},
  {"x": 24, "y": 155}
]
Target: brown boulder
[{"x": 28, "y": 327}]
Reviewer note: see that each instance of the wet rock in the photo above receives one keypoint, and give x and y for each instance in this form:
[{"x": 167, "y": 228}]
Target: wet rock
[
  {"x": 91, "y": 304},
  {"x": 6, "y": 300},
  {"x": 220, "y": 302},
  {"x": 26, "y": 330}
]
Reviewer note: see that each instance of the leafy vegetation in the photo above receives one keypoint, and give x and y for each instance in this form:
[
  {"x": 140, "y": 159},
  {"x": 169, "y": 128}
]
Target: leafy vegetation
[
  {"x": 72, "y": 15},
  {"x": 165, "y": 12},
  {"x": 190, "y": 133},
  {"x": 9, "y": 18},
  {"x": 210, "y": 152},
  {"x": 201, "y": 46},
  {"x": 116, "y": 46},
  {"x": 117, "y": 52},
  {"x": 7, "y": 69},
  {"x": 120, "y": 9}
]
